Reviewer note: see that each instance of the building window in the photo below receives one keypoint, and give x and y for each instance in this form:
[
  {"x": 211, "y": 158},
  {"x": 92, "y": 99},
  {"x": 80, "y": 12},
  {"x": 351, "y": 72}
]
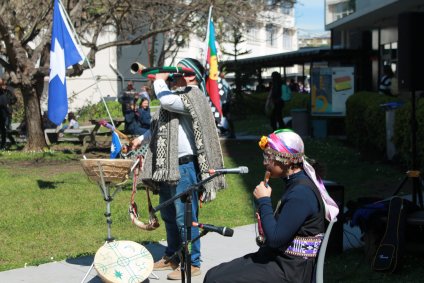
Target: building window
[
  {"x": 287, "y": 8},
  {"x": 252, "y": 34},
  {"x": 287, "y": 39},
  {"x": 270, "y": 35},
  {"x": 340, "y": 10}
]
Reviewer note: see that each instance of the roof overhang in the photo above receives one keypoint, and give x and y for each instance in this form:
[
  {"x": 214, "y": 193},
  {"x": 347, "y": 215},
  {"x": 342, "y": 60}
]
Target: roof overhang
[
  {"x": 379, "y": 16},
  {"x": 301, "y": 56}
]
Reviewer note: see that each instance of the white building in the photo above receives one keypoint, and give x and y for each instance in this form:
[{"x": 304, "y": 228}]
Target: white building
[{"x": 274, "y": 32}]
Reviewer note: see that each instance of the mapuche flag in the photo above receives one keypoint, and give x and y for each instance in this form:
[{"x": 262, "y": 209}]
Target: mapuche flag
[{"x": 212, "y": 79}]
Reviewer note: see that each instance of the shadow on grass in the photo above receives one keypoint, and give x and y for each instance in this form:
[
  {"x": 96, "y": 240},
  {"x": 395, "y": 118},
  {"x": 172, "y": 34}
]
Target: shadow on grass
[{"x": 47, "y": 185}]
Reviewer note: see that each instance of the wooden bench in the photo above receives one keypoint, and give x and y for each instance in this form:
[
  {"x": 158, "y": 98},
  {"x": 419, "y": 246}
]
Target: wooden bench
[
  {"x": 69, "y": 135},
  {"x": 15, "y": 133},
  {"x": 52, "y": 134}
]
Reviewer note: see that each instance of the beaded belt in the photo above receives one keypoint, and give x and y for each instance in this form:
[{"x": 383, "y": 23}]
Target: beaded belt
[{"x": 305, "y": 246}]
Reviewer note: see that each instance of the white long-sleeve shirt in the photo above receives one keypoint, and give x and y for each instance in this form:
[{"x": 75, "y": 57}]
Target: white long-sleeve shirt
[{"x": 173, "y": 103}]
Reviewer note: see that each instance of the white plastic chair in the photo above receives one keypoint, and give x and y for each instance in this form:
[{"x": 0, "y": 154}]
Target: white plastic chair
[{"x": 319, "y": 271}]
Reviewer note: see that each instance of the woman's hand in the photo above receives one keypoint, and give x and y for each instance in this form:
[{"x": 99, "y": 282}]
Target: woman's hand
[{"x": 262, "y": 191}]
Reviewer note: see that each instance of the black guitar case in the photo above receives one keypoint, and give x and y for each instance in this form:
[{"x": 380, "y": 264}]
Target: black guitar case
[{"x": 390, "y": 251}]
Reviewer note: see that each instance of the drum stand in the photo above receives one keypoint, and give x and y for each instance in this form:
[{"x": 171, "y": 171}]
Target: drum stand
[{"x": 105, "y": 191}]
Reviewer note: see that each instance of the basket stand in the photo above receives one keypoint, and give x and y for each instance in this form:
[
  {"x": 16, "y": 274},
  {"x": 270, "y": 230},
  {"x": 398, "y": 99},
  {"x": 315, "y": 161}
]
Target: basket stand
[{"x": 106, "y": 188}]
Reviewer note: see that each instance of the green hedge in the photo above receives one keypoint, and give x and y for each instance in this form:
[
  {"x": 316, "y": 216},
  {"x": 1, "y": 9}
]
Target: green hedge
[
  {"x": 298, "y": 101},
  {"x": 97, "y": 111},
  {"x": 402, "y": 134},
  {"x": 366, "y": 121},
  {"x": 366, "y": 126}
]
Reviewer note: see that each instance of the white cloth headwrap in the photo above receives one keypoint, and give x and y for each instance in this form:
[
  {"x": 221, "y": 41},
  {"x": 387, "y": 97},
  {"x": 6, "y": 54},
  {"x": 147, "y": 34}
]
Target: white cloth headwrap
[{"x": 293, "y": 141}]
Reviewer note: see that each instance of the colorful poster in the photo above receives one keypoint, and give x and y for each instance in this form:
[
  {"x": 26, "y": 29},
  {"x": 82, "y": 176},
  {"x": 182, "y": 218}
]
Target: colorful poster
[{"x": 330, "y": 88}]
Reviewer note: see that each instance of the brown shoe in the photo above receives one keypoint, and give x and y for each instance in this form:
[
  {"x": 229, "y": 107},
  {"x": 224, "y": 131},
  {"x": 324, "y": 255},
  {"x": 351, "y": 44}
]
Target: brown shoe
[
  {"x": 161, "y": 265},
  {"x": 176, "y": 274}
]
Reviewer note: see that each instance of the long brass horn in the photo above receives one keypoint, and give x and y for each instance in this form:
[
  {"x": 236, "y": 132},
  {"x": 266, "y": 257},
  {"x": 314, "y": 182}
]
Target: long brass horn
[{"x": 137, "y": 68}]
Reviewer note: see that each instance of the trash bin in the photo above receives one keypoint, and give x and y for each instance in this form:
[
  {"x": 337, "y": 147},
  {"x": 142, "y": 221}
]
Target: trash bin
[
  {"x": 300, "y": 121},
  {"x": 319, "y": 128},
  {"x": 390, "y": 108}
]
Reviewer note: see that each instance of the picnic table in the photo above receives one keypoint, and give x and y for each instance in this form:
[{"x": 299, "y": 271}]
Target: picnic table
[
  {"x": 97, "y": 138},
  {"x": 68, "y": 135}
]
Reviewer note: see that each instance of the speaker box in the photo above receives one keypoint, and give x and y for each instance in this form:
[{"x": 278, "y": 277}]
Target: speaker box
[
  {"x": 335, "y": 242},
  {"x": 410, "y": 51}
]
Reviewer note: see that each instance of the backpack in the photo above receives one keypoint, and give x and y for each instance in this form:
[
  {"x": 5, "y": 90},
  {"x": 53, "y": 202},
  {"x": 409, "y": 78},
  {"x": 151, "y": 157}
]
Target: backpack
[{"x": 286, "y": 94}]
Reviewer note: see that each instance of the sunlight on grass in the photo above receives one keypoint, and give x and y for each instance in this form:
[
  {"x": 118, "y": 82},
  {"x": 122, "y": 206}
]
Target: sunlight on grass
[{"x": 51, "y": 211}]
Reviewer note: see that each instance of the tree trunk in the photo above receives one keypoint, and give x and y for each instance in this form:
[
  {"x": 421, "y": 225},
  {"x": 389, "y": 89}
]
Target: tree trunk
[{"x": 35, "y": 134}]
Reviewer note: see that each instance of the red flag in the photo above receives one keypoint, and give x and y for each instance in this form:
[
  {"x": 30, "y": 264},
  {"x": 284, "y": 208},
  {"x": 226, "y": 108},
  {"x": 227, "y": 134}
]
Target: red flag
[{"x": 212, "y": 79}]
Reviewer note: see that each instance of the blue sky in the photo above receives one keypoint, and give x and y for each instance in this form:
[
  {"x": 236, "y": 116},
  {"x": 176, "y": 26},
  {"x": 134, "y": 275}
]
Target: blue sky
[{"x": 309, "y": 16}]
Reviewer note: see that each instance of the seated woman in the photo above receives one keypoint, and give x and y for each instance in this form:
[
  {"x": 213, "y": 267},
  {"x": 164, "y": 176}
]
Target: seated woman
[
  {"x": 294, "y": 231},
  {"x": 132, "y": 126},
  {"x": 144, "y": 116},
  {"x": 72, "y": 123}
]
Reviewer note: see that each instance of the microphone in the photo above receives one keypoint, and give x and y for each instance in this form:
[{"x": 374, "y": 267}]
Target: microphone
[
  {"x": 240, "y": 170},
  {"x": 224, "y": 231}
]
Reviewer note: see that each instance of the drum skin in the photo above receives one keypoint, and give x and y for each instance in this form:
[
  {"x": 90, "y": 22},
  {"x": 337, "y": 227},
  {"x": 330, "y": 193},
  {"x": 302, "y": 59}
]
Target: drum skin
[{"x": 123, "y": 261}]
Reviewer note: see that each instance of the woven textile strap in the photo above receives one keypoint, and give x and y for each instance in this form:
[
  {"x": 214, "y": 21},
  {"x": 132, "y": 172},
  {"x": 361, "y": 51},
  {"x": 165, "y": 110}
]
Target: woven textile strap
[{"x": 305, "y": 246}]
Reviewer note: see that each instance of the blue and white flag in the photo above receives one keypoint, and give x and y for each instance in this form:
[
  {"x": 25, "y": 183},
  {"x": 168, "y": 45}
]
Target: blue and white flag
[
  {"x": 64, "y": 52},
  {"x": 116, "y": 146}
]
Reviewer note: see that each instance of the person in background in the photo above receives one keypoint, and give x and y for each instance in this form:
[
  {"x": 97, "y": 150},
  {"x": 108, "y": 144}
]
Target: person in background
[
  {"x": 7, "y": 99},
  {"x": 227, "y": 124},
  {"x": 295, "y": 229},
  {"x": 72, "y": 121},
  {"x": 276, "y": 117},
  {"x": 183, "y": 146},
  {"x": 144, "y": 116},
  {"x": 132, "y": 124},
  {"x": 72, "y": 124},
  {"x": 143, "y": 93},
  {"x": 47, "y": 124},
  {"x": 385, "y": 83},
  {"x": 294, "y": 86},
  {"x": 127, "y": 97}
]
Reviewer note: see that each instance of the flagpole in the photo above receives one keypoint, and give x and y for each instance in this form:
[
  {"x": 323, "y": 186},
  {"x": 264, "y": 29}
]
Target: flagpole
[
  {"x": 86, "y": 59},
  {"x": 207, "y": 36}
]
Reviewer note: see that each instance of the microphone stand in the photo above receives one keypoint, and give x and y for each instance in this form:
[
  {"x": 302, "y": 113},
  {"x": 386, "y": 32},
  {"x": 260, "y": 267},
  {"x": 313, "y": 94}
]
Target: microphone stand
[{"x": 188, "y": 218}]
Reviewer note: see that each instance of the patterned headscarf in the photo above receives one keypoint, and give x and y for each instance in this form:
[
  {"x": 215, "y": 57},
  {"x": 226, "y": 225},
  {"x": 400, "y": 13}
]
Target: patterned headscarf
[
  {"x": 287, "y": 147},
  {"x": 195, "y": 65}
]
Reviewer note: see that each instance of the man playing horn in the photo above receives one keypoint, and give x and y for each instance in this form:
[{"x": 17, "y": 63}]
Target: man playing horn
[{"x": 178, "y": 155}]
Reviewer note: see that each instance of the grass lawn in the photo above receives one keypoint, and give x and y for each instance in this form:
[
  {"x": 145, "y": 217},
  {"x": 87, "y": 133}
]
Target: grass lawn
[{"x": 51, "y": 211}]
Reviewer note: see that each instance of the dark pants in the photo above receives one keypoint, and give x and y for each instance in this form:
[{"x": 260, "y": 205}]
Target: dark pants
[
  {"x": 3, "y": 129},
  {"x": 277, "y": 116},
  {"x": 250, "y": 268}
]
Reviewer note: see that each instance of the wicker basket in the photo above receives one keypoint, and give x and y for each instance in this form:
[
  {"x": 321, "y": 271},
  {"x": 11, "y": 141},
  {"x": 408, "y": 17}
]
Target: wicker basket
[{"x": 114, "y": 170}]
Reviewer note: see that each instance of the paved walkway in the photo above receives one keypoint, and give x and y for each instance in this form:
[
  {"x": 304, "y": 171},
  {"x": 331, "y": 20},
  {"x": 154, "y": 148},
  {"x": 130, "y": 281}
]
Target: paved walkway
[{"x": 215, "y": 250}]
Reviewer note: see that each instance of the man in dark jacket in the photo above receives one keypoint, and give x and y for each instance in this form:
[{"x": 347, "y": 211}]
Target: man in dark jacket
[{"x": 7, "y": 98}]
